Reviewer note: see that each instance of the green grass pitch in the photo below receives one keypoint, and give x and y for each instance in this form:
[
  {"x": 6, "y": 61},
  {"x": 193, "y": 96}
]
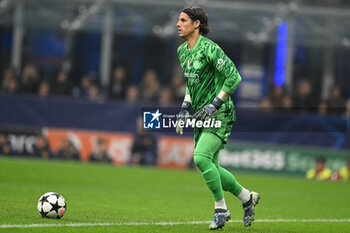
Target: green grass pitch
[{"x": 125, "y": 197}]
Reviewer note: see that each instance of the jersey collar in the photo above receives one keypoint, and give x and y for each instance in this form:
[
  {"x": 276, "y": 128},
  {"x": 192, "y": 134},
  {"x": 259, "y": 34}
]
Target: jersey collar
[{"x": 194, "y": 48}]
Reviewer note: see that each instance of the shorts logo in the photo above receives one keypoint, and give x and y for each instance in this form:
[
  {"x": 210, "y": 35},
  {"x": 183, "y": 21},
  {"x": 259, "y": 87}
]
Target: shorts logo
[{"x": 151, "y": 120}]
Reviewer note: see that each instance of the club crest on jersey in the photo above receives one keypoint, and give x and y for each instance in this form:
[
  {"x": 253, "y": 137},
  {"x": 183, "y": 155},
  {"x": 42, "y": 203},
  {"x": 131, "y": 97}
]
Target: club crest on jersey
[{"x": 196, "y": 64}]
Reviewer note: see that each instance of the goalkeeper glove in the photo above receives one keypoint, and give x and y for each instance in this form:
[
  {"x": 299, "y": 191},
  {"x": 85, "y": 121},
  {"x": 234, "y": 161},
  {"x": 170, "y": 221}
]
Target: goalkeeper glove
[
  {"x": 182, "y": 117},
  {"x": 209, "y": 110}
]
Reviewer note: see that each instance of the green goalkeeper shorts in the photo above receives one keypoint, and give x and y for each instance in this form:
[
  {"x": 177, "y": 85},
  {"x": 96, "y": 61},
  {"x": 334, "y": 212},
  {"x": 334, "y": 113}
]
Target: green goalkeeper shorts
[{"x": 227, "y": 116}]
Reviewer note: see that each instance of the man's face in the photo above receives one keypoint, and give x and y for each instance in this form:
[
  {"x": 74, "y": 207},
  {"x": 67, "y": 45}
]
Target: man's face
[{"x": 185, "y": 26}]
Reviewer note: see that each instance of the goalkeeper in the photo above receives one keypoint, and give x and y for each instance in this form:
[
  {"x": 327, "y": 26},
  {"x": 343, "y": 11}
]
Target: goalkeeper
[{"x": 211, "y": 78}]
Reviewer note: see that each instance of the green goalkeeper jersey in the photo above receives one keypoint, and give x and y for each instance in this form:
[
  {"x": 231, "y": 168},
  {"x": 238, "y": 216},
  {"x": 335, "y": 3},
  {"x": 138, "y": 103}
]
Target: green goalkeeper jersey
[{"x": 207, "y": 70}]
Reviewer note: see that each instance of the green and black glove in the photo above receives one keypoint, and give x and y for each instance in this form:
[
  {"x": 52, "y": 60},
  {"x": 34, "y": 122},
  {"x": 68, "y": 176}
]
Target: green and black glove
[
  {"x": 209, "y": 110},
  {"x": 183, "y": 115}
]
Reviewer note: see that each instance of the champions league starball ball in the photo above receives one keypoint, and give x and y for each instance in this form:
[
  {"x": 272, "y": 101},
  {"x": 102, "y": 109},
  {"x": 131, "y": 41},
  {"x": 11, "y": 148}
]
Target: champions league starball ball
[{"x": 51, "y": 205}]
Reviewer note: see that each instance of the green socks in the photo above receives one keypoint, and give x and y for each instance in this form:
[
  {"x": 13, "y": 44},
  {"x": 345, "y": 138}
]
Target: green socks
[{"x": 216, "y": 177}]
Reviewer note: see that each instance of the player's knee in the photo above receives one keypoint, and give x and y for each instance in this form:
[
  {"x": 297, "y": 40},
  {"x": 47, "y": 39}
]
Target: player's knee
[{"x": 201, "y": 161}]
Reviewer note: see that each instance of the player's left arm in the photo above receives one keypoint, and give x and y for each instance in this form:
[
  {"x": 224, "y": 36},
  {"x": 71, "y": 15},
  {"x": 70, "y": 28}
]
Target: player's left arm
[{"x": 225, "y": 66}]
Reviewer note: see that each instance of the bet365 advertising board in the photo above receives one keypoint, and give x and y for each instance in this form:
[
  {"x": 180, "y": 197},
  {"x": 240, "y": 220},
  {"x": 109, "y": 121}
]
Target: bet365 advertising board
[{"x": 278, "y": 159}]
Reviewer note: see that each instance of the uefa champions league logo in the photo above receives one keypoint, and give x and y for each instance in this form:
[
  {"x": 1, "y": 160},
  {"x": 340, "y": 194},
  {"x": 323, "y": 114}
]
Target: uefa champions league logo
[{"x": 152, "y": 119}]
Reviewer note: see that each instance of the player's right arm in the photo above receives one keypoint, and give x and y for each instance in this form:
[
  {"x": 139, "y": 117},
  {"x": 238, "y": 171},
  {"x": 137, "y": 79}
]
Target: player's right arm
[
  {"x": 186, "y": 104},
  {"x": 184, "y": 113}
]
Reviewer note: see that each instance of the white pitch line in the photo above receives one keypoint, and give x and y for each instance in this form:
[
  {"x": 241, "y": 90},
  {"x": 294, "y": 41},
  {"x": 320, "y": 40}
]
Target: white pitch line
[{"x": 163, "y": 223}]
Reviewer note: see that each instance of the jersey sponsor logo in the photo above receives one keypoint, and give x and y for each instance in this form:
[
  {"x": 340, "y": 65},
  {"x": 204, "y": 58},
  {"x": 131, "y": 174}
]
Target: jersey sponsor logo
[
  {"x": 192, "y": 77},
  {"x": 221, "y": 62}
]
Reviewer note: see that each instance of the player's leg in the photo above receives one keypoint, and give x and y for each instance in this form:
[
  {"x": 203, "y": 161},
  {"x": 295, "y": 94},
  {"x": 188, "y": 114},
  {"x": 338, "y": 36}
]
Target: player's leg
[
  {"x": 206, "y": 147},
  {"x": 229, "y": 182},
  {"x": 248, "y": 198},
  {"x": 203, "y": 154}
]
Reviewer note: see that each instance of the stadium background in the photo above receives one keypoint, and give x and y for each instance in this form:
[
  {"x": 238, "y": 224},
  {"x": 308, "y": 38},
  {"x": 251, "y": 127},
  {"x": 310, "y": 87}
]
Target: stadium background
[
  {"x": 74, "y": 76},
  {"x": 87, "y": 66}
]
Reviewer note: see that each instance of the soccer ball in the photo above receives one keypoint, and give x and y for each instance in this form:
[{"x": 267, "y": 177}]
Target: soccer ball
[{"x": 51, "y": 205}]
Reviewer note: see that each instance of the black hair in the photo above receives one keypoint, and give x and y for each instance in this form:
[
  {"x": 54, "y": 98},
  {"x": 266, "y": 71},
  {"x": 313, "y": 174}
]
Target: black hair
[
  {"x": 198, "y": 13},
  {"x": 321, "y": 159}
]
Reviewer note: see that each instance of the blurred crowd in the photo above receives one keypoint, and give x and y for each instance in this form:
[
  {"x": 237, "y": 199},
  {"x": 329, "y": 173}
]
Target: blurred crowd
[
  {"x": 304, "y": 100},
  {"x": 148, "y": 91}
]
